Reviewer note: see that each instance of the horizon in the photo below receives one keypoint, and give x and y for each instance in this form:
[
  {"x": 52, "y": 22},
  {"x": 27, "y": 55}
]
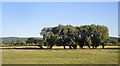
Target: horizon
[
  {"x": 22, "y": 19},
  {"x": 33, "y": 37}
]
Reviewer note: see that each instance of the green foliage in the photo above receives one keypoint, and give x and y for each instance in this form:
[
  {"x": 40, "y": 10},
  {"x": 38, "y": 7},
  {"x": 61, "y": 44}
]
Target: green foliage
[
  {"x": 20, "y": 42},
  {"x": 88, "y": 40},
  {"x": 41, "y": 42},
  {"x": 114, "y": 41},
  {"x": 119, "y": 40},
  {"x": 35, "y": 41},
  {"x": 72, "y": 35},
  {"x": 30, "y": 40}
]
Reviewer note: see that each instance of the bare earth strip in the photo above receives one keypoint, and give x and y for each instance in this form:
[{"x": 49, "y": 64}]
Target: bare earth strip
[{"x": 53, "y": 47}]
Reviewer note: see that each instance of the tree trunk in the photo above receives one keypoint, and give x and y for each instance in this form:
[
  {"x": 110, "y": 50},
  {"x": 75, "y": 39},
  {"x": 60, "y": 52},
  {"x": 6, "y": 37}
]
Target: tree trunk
[
  {"x": 95, "y": 47},
  {"x": 70, "y": 47},
  {"x": 64, "y": 46},
  {"x": 40, "y": 46},
  {"x": 81, "y": 46},
  {"x": 74, "y": 46},
  {"x": 89, "y": 46},
  {"x": 51, "y": 47},
  {"x": 102, "y": 46}
]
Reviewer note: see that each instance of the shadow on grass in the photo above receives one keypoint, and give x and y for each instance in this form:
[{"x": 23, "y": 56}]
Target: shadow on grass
[
  {"x": 41, "y": 49},
  {"x": 60, "y": 48},
  {"x": 112, "y": 48}
]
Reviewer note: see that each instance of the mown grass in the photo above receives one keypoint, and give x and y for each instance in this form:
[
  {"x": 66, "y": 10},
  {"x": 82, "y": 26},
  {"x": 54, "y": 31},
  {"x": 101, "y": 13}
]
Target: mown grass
[{"x": 60, "y": 56}]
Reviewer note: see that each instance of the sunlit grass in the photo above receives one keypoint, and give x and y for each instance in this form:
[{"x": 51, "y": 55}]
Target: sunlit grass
[{"x": 61, "y": 56}]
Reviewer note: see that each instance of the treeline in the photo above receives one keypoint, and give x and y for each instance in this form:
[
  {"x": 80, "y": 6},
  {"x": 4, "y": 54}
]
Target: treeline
[
  {"x": 68, "y": 35},
  {"x": 72, "y": 36}
]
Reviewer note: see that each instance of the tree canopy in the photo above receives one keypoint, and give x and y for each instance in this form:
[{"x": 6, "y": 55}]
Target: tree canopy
[{"x": 90, "y": 35}]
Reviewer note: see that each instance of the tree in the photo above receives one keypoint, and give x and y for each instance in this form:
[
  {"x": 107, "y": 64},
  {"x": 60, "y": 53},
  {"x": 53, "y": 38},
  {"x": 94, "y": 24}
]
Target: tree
[
  {"x": 99, "y": 35},
  {"x": 35, "y": 41},
  {"x": 114, "y": 41},
  {"x": 73, "y": 35},
  {"x": 30, "y": 41},
  {"x": 48, "y": 37},
  {"x": 20, "y": 42},
  {"x": 39, "y": 42}
]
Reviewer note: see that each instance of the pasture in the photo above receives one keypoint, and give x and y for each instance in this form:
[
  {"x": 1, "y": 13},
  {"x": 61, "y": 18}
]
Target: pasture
[{"x": 58, "y": 55}]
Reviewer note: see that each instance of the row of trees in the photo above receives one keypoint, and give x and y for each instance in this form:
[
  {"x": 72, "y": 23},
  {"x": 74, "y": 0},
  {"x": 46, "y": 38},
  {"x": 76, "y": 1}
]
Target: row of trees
[
  {"x": 72, "y": 36},
  {"x": 40, "y": 42}
]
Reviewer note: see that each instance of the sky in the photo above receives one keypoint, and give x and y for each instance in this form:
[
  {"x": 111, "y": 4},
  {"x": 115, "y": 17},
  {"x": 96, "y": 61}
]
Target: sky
[{"x": 26, "y": 19}]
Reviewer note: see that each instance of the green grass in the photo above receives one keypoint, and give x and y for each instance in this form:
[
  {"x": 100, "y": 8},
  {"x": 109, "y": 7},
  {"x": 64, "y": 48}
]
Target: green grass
[{"x": 74, "y": 56}]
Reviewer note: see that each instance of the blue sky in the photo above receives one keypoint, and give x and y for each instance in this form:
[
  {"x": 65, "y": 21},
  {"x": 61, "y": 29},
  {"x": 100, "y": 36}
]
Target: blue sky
[{"x": 26, "y": 19}]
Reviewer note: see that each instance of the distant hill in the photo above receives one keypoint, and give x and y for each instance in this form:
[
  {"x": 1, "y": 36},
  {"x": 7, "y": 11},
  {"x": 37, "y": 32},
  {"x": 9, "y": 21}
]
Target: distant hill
[
  {"x": 14, "y": 39},
  {"x": 113, "y": 38},
  {"x": 11, "y": 39}
]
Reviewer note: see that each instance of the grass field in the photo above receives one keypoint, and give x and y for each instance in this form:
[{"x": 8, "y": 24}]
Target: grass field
[{"x": 60, "y": 56}]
